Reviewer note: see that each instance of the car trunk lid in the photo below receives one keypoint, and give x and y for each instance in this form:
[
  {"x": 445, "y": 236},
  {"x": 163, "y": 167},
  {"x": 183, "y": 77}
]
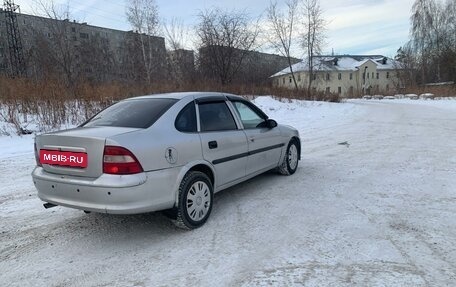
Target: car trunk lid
[{"x": 79, "y": 141}]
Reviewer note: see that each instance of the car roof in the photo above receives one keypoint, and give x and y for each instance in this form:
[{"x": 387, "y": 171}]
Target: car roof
[{"x": 182, "y": 95}]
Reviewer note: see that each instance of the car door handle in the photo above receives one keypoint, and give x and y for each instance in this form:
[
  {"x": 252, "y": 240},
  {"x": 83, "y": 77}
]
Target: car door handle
[
  {"x": 252, "y": 139},
  {"x": 212, "y": 144}
]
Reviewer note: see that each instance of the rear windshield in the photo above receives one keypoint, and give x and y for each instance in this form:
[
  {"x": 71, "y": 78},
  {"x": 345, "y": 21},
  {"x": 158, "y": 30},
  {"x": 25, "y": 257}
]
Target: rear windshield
[{"x": 138, "y": 113}]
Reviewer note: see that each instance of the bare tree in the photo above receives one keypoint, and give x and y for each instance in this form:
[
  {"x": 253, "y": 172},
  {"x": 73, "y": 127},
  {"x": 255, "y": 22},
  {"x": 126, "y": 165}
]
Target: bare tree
[
  {"x": 313, "y": 36},
  {"x": 181, "y": 66},
  {"x": 282, "y": 31},
  {"x": 433, "y": 39},
  {"x": 225, "y": 39},
  {"x": 406, "y": 65},
  {"x": 60, "y": 48},
  {"x": 143, "y": 17},
  {"x": 175, "y": 34}
]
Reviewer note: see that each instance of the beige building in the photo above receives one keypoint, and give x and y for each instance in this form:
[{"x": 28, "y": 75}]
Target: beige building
[{"x": 347, "y": 75}]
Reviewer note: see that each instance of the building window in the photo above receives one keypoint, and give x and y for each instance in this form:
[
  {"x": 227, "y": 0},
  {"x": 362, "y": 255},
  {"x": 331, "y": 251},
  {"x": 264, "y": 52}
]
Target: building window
[
  {"x": 328, "y": 90},
  {"x": 339, "y": 76},
  {"x": 377, "y": 76},
  {"x": 291, "y": 80},
  {"x": 387, "y": 75},
  {"x": 299, "y": 77},
  {"x": 351, "y": 91},
  {"x": 327, "y": 77},
  {"x": 314, "y": 76},
  {"x": 339, "y": 90},
  {"x": 387, "y": 87},
  {"x": 351, "y": 76},
  {"x": 73, "y": 29},
  {"x": 84, "y": 35},
  {"x": 283, "y": 81},
  {"x": 372, "y": 75},
  {"x": 368, "y": 75}
]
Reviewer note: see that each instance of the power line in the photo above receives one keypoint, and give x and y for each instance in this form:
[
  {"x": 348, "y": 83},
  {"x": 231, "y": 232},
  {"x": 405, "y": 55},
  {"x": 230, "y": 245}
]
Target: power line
[{"x": 72, "y": 8}]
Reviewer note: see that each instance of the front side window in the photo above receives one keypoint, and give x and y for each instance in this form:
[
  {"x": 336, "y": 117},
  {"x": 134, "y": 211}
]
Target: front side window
[
  {"x": 216, "y": 117},
  {"x": 250, "y": 119},
  {"x": 137, "y": 113}
]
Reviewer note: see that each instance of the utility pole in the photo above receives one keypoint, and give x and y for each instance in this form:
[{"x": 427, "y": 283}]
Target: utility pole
[{"x": 17, "y": 62}]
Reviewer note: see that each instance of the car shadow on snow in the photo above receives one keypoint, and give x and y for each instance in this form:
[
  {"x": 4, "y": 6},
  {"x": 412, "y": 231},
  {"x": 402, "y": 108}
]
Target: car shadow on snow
[{"x": 156, "y": 226}]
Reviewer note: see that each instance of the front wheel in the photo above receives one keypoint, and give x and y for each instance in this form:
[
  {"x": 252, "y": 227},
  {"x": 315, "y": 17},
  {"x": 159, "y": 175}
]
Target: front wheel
[
  {"x": 290, "y": 160},
  {"x": 195, "y": 200}
]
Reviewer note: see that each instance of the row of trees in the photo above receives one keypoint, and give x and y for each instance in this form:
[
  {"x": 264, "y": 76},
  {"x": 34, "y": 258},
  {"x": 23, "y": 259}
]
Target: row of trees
[
  {"x": 223, "y": 40},
  {"x": 430, "y": 54},
  {"x": 226, "y": 38}
]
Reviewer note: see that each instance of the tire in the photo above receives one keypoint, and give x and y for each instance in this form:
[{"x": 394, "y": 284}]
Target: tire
[
  {"x": 195, "y": 200},
  {"x": 291, "y": 159}
]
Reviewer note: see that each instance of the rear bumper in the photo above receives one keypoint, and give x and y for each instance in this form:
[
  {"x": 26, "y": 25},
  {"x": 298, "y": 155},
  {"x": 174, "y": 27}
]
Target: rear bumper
[{"x": 116, "y": 194}]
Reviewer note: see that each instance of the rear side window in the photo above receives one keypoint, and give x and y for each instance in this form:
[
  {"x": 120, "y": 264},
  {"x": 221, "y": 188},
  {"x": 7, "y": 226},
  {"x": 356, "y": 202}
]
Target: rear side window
[
  {"x": 186, "y": 119},
  {"x": 138, "y": 113},
  {"x": 216, "y": 117}
]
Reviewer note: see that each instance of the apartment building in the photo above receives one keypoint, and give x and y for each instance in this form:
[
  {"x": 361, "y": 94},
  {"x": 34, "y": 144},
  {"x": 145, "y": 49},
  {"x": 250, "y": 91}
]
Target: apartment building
[
  {"x": 346, "y": 75},
  {"x": 85, "y": 48}
]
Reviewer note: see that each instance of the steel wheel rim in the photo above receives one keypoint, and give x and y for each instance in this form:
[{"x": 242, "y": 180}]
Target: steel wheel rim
[
  {"x": 198, "y": 201},
  {"x": 293, "y": 157}
]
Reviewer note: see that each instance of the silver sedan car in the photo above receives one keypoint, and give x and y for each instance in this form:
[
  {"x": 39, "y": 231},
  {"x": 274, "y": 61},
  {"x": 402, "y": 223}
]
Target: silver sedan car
[{"x": 168, "y": 152}]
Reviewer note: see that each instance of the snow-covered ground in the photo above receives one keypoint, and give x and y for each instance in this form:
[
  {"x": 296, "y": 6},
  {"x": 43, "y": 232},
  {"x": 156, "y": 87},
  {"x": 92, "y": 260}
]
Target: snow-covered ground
[{"x": 379, "y": 210}]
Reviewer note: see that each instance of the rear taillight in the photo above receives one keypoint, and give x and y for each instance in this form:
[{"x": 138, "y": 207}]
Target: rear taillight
[
  {"x": 119, "y": 160},
  {"x": 37, "y": 155}
]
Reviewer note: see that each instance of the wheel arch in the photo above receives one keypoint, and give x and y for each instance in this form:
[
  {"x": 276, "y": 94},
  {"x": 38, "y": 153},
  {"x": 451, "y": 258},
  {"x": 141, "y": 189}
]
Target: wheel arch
[
  {"x": 206, "y": 170},
  {"x": 201, "y": 166},
  {"x": 298, "y": 141}
]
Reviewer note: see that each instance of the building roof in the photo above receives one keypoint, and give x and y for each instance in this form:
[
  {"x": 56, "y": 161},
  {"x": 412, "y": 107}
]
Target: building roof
[{"x": 341, "y": 63}]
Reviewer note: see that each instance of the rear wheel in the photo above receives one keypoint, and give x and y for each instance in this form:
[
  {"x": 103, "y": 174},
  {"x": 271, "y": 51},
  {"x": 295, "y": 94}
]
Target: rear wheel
[
  {"x": 290, "y": 161},
  {"x": 195, "y": 200}
]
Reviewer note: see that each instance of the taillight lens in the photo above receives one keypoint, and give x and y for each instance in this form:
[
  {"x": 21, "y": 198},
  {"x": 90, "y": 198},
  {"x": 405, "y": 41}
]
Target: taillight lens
[
  {"x": 37, "y": 155},
  {"x": 119, "y": 160}
]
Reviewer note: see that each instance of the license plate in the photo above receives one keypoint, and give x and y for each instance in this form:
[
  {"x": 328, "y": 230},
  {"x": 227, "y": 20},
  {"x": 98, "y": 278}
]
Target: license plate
[{"x": 63, "y": 158}]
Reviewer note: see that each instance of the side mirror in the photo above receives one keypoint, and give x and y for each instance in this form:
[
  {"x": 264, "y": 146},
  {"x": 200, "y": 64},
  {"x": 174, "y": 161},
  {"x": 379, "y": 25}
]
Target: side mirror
[{"x": 270, "y": 123}]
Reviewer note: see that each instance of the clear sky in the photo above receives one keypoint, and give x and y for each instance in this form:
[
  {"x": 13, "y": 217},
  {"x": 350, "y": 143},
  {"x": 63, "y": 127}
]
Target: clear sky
[{"x": 354, "y": 26}]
